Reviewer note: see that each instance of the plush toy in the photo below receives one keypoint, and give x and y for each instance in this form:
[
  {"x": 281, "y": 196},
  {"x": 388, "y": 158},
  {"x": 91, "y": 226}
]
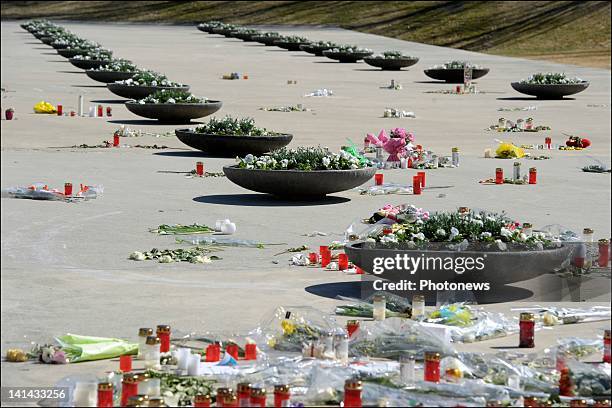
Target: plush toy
[{"x": 399, "y": 144}]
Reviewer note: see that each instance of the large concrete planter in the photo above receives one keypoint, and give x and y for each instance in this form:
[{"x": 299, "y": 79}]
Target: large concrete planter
[
  {"x": 47, "y": 40},
  {"x": 88, "y": 64},
  {"x": 346, "y": 57},
  {"x": 231, "y": 145},
  {"x": 500, "y": 268},
  {"x": 108, "y": 77},
  {"x": 247, "y": 37},
  {"x": 139, "y": 92},
  {"x": 70, "y": 52},
  {"x": 173, "y": 112},
  {"x": 315, "y": 49},
  {"x": 289, "y": 46},
  {"x": 454, "y": 76},
  {"x": 556, "y": 91},
  {"x": 222, "y": 31},
  {"x": 296, "y": 184},
  {"x": 391, "y": 64},
  {"x": 269, "y": 41}
]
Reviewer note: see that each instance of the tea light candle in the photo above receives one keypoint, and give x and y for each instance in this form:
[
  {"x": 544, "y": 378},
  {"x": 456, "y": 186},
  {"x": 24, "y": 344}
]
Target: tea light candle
[
  {"x": 109, "y": 111},
  {"x": 527, "y": 229},
  {"x": 313, "y": 258},
  {"x": 232, "y": 350},
  {"x": 129, "y": 387},
  {"x": 80, "y": 109},
  {"x": 152, "y": 353}
]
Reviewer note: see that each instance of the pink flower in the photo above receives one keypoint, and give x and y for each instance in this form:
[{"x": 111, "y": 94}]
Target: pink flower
[
  {"x": 410, "y": 137},
  {"x": 399, "y": 132},
  {"x": 59, "y": 357}
]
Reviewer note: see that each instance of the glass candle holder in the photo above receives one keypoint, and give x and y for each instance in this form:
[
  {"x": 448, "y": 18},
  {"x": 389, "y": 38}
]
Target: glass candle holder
[
  {"x": 109, "y": 111},
  {"x": 379, "y": 310},
  {"x": 125, "y": 363},
  {"x": 418, "y": 307},
  {"x": 607, "y": 354},
  {"x": 342, "y": 262},
  {"x": 352, "y": 393},
  {"x": 243, "y": 391},
  {"x": 67, "y": 189},
  {"x": 455, "y": 156},
  {"x": 421, "y": 175},
  {"x": 407, "y": 369},
  {"x": 129, "y": 387},
  {"x": 143, "y": 333},
  {"x": 588, "y": 238},
  {"x": 60, "y": 110},
  {"x": 378, "y": 179},
  {"x": 533, "y": 175},
  {"x": 527, "y": 330},
  {"x": 604, "y": 253},
  {"x": 100, "y": 110},
  {"x": 250, "y": 351},
  {"x": 210, "y": 353},
  {"x": 501, "y": 123},
  {"x": 516, "y": 171},
  {"x": 232, "y": 350},
  {"x": 326, "y": 258},
  {"x": 282, "y": 395},
  {"x": 85, "y": 394},
  {"x": 313, "y": 258},
  {"x": 115, "y": 140},
  {"x": 258, "y": 397},
  {"x": 351, "y": 327},
  {"x": 342, "y": 348},
  {"x": 432, "y": 366},
  {"x": 499, "y": 175},
  {"x": 416, "y": 185},
  {"x": 105, "y": 394},
  {"x": 152, "y": 353},
  {"x": 202, "y": 401},
  {"x": 222, "y": 393},
  {"x": 527, "y": 229},
  {"x": 163, "y": 332},
  {"x": 200, "y": 168}
]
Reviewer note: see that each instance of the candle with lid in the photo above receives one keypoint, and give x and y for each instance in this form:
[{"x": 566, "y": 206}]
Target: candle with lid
[
  {"x": 100, "y": 111},
  {"x": 378, "y": 179},
  {"x": 125, "y": 363},
  {"x": 244, "y": 394},
  {"x": 116, "y": 140},
  {"x": 416, "y": 185},
  {"x": 250, "y": 351},
  {"x": 282, "y": 395},
  {"x": 527, "y": 330},
  {"x": 202, "y": 401},
  {"x": 342, "y": 348},
  {"x": 379, "y": 310},
  {"x": 163, "y": 332},
  {"x": 151, "y": 354},
  {"x": 258, "y": 397},
  {"x": 499, "y": 175},
  {"x": 67, "y": 189},
  {"x": 352, "y": 393},
  {"x": 604, "y": 253},
  {"x": 60, "y": 110},
  {"x": 105, "y": 394},
  {"x": 418, "y": 307},
  {"x": 129, "y": 387},
  {"x": 421, "y": 175},
  {"x": 533, "y": 175},
  {"x": 200, "y": 168},
  {"x": 138, "y": 400},
  {"x": 352, "y": 326},
  {"x": 455, "y": 156},
  {"x": 342, "y": 262},
  {"x": 232, "y": 350},
  {"x": 607, "y": 354},
  {"x": 223, "y": 392},
  {"x": 516, "y": 171},
  {"x": 407, "y": 368},
  {"x": 432, "y": 366},
  {"x": 588, "y": 238}
]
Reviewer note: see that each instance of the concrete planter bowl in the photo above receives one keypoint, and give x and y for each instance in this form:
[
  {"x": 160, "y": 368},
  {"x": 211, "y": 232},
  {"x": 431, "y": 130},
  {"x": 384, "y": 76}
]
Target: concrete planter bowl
[
  {"x": 554, "y": 91},
  {"x": 315, "y": 49},
  {"x": 222, "y": 31},
  {"x": 269, "y": 41},
  {"x": 88, "y": 64},
  {"x": 391, "y": 64},
  {"x": 296, "y": 184},
  {"x": 139, "y": 92},
  {"x": 500, "y": 268},
  {"x": 173, "y": 112},
  {"x": 289, "y": 46},
  {"x": 454, "y": 76},
  {"x": 247, "y": 37},
  {"x": 108, "y": 77},
  {"x": 232, "y": 145},
  {"x": 204, "y": 29},
  {"x": 47, "y": 40},
  {"x": 346, "y": 57},
  {"x": 70, "y": 52}
]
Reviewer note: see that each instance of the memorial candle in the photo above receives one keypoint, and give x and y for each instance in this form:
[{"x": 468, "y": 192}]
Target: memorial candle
[
  {"x": 455, "y": 156},
  {"x": 379, "y": 307},
  {"x": 258, "y": 397},
  {"x": 60, "y": 110},
  {"x": 282, "y": 395},
  {"x": 244, "y": 394},
  {"x": 163, "y": 332},
  {"x": 533, "y": 175},
  {"x": 200, "y": 168},
  {"x": 378, "y": 179},
  {"x": 232, "y": 350},
  {"x": 432, "y": 366},
  {"x": 604, "y": 253},
  {"x": 416, "y": 185},
  {"x": 352, "y": 326},
  {"x": 105, "y": 394},
  {"x": 68, "y": 189},
  {"x": 342, "y": 262},
  {"x": 499, "y": 175},
  {"x": 607, "y": 354},
  {"x": 421, "y": 175},
  {"x": 352, "y": 393},
  {"x": 129, "y": 387},
  {"x": 250, "y": 351},
  {"x": 407, "y": 368},
  {"x": 100, "y": 111},
  {"x": 116, "y": 140},
  {"x": 527, "y": 330},
  {"x": 202, "y": 401}
]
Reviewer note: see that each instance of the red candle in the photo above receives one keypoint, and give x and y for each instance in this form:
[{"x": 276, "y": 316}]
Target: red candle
[
  {"x": 244, "y": 394},
  {"x": 115, "y": 140},
  {"x": 258, "y": 397},
  {"x": 604, "y": 253},
  {"x": 72, "y": 113},
  {"x": 387, "y": 230},
  {"x": 202, "y": 401},
  {"x": 313, "y": 258},
  {"x": 100, "y": 110},
  {"x": 352, "y": 393},
  {"x": 210, "y": 353},
  {"x": 607, "y": 356},
  {"x": 109, "y": 111},
  {"x": 282, "y": 394},
  {"x": 432, "y": 366},
  {"x": 416, "y": 185},
  {"x": 232, "y": 350},
  {"x": 60, "y": 110},
  {"x": 125, "y": 363},
  {"x": 217, "y": 354},
  {"x": 533, "y": 175},
  {"x": 378, "y": 179},
  {"x": 9, "y": 114},
  {"x": 366, "y": 143},
  {"x": 409, "y": 164},
  {"x": 342, "y": 262},
  {"x": 67, "y": 189},
  {"x": 421, "y": 175},
  {"x": 129, "y": 387},
  {"x": 359, "y": 271},
  {"x": 566, "y": 388},
  {"x": 527, "y": 330},
  {"x": 200, "y": 168},
  {"x": 578, "y": 403},
  {"x": 163, "y": 332},
  {"x": 548, "y": 142},
  {"x": 458, "y": 88},
  {"x": 351, "y": 327},
  {"x": 250, "y": 351},
  {"x": 499, "y": 175},
  {"x": 326, "y": 259},
  {"x": 105, "y": 394}
]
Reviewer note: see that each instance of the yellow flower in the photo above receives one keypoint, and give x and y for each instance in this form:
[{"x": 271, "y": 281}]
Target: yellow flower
[{"x": 288, "y": 327}]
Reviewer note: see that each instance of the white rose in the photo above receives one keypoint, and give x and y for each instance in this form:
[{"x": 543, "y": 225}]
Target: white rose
[
  {"x": 440, "y": 232},
  {"x": 505, "y": 232}
]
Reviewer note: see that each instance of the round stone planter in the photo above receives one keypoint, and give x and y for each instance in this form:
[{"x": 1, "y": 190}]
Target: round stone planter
[
  {"x": 108, "y": 77},
  {"x": 555, "y": 91},
  {"x": 70, "y": 52},
  {"x": 500, "y": 268},
  {"x": 204, "y": 29},
  {"x": 391, "y": 64},
  {"x": 296, "y": 184},
  {"x": 47, "y": 40},
  {"x": 454, "y": 76},
  {"x": 231, "y": 145},
  {"x": 139, "y": 92},
  {"x": 315, "y": 49},
  {"x": 59, "y": 46},
  {"x": 247, "y": 37},
  {"x": 88, "y": 64},
  {"x": 346, "y": 57},
  {"x": 269, "y": 41},
  {"x": 289, "y": 46},
  {"x": 222, "y": 31},
  {"x": 173, "y": 112}
]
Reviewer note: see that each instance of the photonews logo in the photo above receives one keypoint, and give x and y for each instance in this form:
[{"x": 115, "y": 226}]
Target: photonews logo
[{"x": 413, "y": 264}]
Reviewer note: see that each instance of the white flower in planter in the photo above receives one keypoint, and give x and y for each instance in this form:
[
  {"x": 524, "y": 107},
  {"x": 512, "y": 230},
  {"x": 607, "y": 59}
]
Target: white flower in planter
[
  {"x": 440, "y": 232},
  {"x": 420, "y": 236},
  {"x": 326, "y": 162},
  {"x": 249, "y": 158},
  {"x": 505, "y": 232},
  {"x": 154, "y": 83},
  {"x": 454, "y": 233},
  {"x": 477, "y": 222},
  {"x": 389, "y": 238},
  {"x": 284, "y": 163},
  {"x": 171, "y": 100},
  {"x": 486, "y": 235}
]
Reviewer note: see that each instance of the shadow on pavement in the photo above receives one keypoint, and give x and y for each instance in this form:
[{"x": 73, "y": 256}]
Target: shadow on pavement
[{"x": 265, "y": 200}]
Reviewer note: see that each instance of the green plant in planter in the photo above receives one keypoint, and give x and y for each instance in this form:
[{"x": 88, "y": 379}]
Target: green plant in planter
[
  {"x": 149, "y": 78},
  {"x": 234, "y": 126},
  {"x": 551, "y": 78},
  {"x": 303, "y": 158},
  {"x": 456, "y": 65},
  {"x": 172, "y": 96},
  {"x": 118, "y": 65},
  {"x": 392, "y": 55}
]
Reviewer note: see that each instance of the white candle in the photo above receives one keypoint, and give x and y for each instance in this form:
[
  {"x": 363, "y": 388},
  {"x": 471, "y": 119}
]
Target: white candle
[
  {"x": 154, "y": 387},
  {"x": 194, "y": 365},
  {"x": 183, "y": 356},
  {"x": 85, "y": 394}
]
